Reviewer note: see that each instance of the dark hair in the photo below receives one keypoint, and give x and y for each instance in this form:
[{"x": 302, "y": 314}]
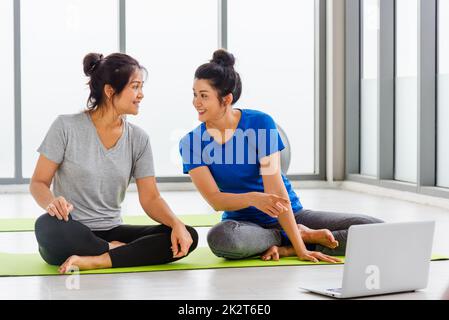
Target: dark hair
[
  {"x": 115, "y": 70},
  {"x": 221, "y": 74}
]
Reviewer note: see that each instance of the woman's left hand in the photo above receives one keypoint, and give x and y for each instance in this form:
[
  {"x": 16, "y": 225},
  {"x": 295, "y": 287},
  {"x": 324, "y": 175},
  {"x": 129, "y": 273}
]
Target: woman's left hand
[
  {"x": 181, "y": 240},
  {"x": 316, "y": 256}
]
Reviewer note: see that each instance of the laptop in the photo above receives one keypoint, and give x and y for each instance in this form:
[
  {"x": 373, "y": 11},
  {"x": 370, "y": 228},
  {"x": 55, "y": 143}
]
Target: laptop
[{"x": 384, "y": 258}]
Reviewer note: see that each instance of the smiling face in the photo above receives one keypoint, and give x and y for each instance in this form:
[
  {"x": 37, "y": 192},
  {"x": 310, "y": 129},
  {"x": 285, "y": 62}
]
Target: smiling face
[
  {"x": 207, "y": 102},
  {"x": 127, "y": 102}
]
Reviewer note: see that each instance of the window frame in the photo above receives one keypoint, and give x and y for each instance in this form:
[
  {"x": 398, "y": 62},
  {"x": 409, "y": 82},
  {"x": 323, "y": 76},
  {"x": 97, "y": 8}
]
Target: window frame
[{"x": 427, "y": 104}]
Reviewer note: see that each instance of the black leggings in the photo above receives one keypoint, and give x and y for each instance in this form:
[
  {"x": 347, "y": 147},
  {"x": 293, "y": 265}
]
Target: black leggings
[{"x": 145, "y": 245}]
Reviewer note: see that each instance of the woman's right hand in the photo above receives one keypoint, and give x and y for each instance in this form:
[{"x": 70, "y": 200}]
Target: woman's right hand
[
  {"x": 60, "y": 208},
  {"x": 270, "y": 204}
]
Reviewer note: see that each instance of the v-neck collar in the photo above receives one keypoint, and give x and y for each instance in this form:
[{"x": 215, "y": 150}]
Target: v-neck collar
[
  {"x": 101, "y": 145},
  {"x": 239, "y": 124}
]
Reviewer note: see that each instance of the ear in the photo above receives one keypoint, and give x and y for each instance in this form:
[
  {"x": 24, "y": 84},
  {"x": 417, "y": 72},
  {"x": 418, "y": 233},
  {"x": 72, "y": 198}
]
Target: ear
[
  {"x": 108, "y": 91},
  {"x": 227, "y": 99}
]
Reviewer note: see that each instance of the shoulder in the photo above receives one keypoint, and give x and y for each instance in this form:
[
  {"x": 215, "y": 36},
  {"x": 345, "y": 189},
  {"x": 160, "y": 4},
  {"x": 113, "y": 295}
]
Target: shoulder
[
  {"x": 137, "y": 133},
  {"x": 67, "y": 121},
  {"x": 138, "y": 139},
  {"x": 70, "y": 118},
  {"x": 256, "y": 118}
]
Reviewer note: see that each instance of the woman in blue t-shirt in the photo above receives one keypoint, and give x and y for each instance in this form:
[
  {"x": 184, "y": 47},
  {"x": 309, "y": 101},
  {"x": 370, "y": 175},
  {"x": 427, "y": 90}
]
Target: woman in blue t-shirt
[{"x": 233, "y": 158}]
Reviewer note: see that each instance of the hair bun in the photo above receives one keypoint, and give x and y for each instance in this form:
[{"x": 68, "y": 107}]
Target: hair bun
[
  {"x": 223, "y": 58},
  {"x": 90, "y": 62}
]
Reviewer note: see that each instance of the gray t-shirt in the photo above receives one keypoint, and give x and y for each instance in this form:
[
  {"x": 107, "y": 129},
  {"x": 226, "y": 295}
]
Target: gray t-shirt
[{"x": 94, "y": 179}]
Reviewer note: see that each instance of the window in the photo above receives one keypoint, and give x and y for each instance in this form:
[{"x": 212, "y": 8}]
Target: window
[
  {"x": 171, "y": 44},
  {"x": 369, "y": 88},
  {"x": 276, "y": 50},
  {"x": 56, "y": 35},
  {"x": 443, "y": 95},
  {"x": 275, "y": 56},
  {"x": 406, "y": 103},
  {"x": 7, "y": 89}
]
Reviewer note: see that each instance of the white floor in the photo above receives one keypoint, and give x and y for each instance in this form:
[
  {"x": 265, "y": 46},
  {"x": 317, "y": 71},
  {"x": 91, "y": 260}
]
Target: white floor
[{"x": 246, "y": 283}]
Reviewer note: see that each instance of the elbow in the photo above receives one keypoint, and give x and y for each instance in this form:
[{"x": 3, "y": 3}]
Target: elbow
[
  {"x": 214, "y": 202},
  {"x": 147, "y": 202},
  {"x": 37, "y": 183},
  {"x": 215, "y": 206},
  {"x": 32, "y": 186}
]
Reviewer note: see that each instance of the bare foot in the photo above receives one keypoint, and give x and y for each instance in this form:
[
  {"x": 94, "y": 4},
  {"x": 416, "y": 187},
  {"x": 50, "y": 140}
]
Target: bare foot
[
  {"x": 86, "y": 263},
  {"x": 321, "y": 236},
  {"x": 115, "y": 244},
  {"x": 275, "y": 253}
]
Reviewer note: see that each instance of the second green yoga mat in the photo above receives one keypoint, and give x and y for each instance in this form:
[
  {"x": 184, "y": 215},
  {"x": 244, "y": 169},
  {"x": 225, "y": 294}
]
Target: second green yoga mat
[
  {"x": 202, "y": 258},
  {"x": 194, "y": 220}
]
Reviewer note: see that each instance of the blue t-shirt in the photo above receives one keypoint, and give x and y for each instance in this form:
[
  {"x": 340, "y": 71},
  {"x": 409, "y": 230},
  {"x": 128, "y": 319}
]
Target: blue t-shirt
[{"x": 235, "y": 164}]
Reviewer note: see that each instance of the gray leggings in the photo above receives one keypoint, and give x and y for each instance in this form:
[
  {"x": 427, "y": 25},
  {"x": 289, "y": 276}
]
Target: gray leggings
[{"x": 242, "y": 239}]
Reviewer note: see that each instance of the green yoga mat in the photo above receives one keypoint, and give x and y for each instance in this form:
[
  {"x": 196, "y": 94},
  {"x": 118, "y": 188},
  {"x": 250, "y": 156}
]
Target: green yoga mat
[
  {"x": 202, "y": 258},
  {"x": 194, "y": 220}
]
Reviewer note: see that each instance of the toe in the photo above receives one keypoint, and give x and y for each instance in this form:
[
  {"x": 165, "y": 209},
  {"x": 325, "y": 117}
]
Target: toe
[{"x": 63, "y": 267}]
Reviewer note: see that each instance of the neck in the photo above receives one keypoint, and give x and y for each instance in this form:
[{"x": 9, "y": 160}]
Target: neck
[
  {"x": 106, "y": 117},
  {"x": 227, "y": 121}
]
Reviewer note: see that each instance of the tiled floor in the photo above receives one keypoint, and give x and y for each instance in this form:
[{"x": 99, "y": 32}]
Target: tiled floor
[{"x": 245, "y": 283}]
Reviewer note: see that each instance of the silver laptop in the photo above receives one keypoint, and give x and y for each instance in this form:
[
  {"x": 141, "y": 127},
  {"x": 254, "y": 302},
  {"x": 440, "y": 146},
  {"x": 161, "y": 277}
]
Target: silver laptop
[{"x": 384, "y": 258}]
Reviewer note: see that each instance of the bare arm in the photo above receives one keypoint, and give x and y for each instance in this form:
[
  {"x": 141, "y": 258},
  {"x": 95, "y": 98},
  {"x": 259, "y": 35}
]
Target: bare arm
[
  {"x": 153, "y": 204},
  {"x": 40, "y": 189},
  {"x": 222, "y": 201},
  {"x": 273, "y": 183},
  {"x": 157, "y": 209}
]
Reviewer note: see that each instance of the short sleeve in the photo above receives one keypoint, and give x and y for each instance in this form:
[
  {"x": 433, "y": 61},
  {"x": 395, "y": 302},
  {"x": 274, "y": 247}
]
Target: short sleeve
[
  {"x": 190, "y": 148},
  {"x": 269, "y": 140},
  {"x": 144, "y": 163},
  {"x": 55, "y": 142}
]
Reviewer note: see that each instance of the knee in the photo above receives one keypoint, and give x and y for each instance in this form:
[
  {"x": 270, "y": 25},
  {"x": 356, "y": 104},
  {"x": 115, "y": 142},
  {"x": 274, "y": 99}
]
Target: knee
[
  {"x": 223, "y": 240},
  {"x": 376, "y": 220},
  {"x": 367, "y": 220},
  {"x": 221, "y": 233},
  {"x": 45, "y": 227},
  {"x": 47, "y": 230}
]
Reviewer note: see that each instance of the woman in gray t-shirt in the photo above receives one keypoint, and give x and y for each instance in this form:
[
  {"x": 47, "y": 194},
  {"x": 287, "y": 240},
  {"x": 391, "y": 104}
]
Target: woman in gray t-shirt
[{"x": 91, "y": 157}]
